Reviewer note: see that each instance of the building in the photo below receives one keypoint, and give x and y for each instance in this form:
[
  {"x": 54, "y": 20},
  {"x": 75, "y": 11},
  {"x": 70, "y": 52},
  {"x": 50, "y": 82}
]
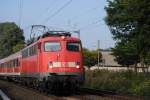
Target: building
[{"x": 108, "y": 60}]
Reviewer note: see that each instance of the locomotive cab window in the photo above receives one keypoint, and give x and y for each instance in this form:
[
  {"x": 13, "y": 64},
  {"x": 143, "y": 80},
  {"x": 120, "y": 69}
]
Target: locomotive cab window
[
  {"x": 74, "y": 46},
  {"x": 52, "y": 46}
]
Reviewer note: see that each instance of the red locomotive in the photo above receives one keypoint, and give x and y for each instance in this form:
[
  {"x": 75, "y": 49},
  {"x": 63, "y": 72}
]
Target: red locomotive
[{"x": 54, "y": 61}]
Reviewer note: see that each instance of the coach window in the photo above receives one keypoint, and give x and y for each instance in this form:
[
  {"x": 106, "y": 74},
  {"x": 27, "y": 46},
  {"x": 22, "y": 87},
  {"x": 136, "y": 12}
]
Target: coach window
[
  {"x": 52, "y": 46},
  {"x": 5, "y": 65},
  {"x": 18, "y": 63},
  {"x": 25, "y": 53},
  {"x": 35, "y": 49},
  {"x": 1, "y": 65},
  {"x": 8, "y": 64},
  {"x": 30, "y": 51},
  {"x": 13, "y": 63},
  {"x": 74, "y": 46}
]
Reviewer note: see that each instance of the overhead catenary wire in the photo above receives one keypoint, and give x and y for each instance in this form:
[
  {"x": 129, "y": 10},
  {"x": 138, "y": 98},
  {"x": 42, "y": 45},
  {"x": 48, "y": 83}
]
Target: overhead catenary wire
[
  {"x": 59, "y": 10},
  {"x": 64, "y": 6},
  {"x": 93, "y": 23},
  {"x": 84, "y": 13},
  {"x": 48, "y": 9},
  {"x": 49, "y": 6}
]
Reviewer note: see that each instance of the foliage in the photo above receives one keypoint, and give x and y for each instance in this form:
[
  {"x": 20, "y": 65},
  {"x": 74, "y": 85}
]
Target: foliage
[
  {"x": 18, "y": 47},
  {"x": 125, "y": 54},
  {"x": 10, "y": 36},
  {"x": 142, "y": 89},
  {"x": 90, "y": 57},
  {"x": 129, "y": 21},
  {"x": 128, "y": 83},
  {"x": 30, "y": 41}
]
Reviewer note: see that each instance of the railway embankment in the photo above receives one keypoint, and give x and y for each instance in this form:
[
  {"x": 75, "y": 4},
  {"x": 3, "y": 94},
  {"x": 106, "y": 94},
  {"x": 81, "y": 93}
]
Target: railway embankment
[
  {"x": 124, "y": 83},
  {"x": 20, "y": 92}
]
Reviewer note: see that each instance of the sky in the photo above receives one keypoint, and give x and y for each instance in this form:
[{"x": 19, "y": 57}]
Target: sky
[{"x": 84, "y": 15}]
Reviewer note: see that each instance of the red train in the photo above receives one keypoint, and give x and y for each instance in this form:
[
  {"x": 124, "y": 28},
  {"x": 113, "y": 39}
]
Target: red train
[{"x": 54, "y": 61}]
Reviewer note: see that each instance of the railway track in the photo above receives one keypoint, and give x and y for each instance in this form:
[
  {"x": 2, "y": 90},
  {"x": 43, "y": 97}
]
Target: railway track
[
  {"x": 90, "y": 94},
  {"x": 110, "y": 94},
  {"x": 82, "y": 94},
  {"x": 96, "y": 91}
]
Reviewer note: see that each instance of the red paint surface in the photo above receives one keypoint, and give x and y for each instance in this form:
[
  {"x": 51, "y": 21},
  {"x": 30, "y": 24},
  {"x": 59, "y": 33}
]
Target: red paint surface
[{"x": 39, "y": 62}]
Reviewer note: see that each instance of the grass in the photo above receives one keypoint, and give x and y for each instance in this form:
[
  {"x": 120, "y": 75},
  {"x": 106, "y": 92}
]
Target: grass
[{"x": 128, "y": 83}]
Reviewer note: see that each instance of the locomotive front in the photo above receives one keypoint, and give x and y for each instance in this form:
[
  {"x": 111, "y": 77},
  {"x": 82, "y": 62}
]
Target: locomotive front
[{"x": 62, "y": 62}]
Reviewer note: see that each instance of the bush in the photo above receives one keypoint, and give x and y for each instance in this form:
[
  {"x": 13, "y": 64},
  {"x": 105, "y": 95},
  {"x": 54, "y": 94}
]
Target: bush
[{"x": 120, "y": 82}]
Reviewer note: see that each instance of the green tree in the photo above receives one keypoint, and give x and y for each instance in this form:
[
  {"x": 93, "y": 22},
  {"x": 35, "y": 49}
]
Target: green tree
[
  {"x": 18, "y": 47},
  {"x": 90, "y": 57},
  {"x": 125, "y": 54},
  {"x": 10, "y": 36},
  {"x": 128, "y": 21}
]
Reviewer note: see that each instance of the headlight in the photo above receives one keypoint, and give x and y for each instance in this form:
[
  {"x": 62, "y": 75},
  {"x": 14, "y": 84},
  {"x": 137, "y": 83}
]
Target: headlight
[
  {"x": 77, "y": 64},
  {"x": 74, "y": 64}
]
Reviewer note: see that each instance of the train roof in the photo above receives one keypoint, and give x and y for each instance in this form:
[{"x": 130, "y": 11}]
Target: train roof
[
  {"x": 11, "y": 57},
  {"x": 49, "y": 36},
  {"x": 58, "y": 35},
  {"x": 54, "y": 37},
  {"x": 60, "y": 39}
]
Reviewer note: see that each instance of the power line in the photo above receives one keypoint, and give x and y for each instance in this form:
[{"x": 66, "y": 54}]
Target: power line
[
  {"x": 47, "y": 9},
  {"x": 84, "y": 13},
  {"x": 59, "y": 10},
  {"x": 93, "y": 23}
]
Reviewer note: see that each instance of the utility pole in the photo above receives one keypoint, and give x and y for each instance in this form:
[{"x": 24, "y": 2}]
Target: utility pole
[
  {"x": 98, "y": 53},
  {"x": 20, "y": 12}
]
